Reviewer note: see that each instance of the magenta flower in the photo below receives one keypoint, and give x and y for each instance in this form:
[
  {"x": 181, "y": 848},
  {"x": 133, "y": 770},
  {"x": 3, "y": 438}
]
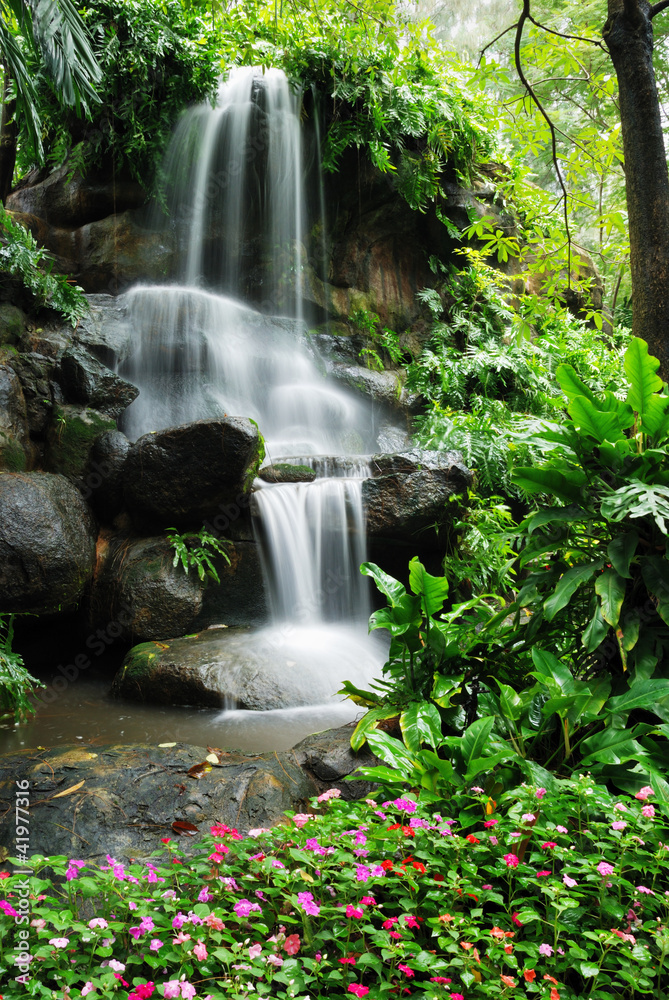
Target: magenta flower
[
  {"x": 604, "y": 868},
  {"x": 8, "y": 909},
  {"x": 178, "y": 921},
  {"x": 155, "y": 945},
  {"x": 410, "y": 921},
  {"x": 354, "y": 911},
  {"x": 359, "y": 991},
  {"x": 405, "y": 805},
  {"x": 488, "y": 823},
  {"x": 362, "y": 873},
  {"x": 406, "y": 970},
  {"x": 73, "y": 870},
  {"x": 346, "y": 961},
  {"x": 541, "y": 792},
  {"x": 545, "y": 949},
  {"x": 244, "y": 907},
  {"x": 308, "y": 904},
  {"x": 543, "y": 874},
  {"x": 511, "y": 860},
  {"x": 456, "y": 996},
  {"x": 368, "y": 901},
  {"x": 390, "y": 922},
  {"x": 549, "y": 845}
]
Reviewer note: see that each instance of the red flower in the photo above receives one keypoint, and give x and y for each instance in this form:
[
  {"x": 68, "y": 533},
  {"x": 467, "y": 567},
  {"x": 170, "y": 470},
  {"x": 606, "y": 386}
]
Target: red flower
[
  {"x": 387, "y": 865},
  {"x": 292, "y": 944},
  {"x": 407, "y": 831},
  {"x": 515, "y": 920},
  {"x": 472, "y": 839},
  {"x": 165, "y": 840},
  {"x": 395, "y": 826},
  {"x": 549, "y": 845},
  {"x": 529, "y": 975}
]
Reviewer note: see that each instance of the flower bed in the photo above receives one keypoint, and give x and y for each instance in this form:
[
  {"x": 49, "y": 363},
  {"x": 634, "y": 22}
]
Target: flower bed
[{"x": 549, "y": 895}]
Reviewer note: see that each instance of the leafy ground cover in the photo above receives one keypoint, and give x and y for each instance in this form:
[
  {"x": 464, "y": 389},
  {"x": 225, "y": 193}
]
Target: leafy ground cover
[{"x": 549, "y": 894}]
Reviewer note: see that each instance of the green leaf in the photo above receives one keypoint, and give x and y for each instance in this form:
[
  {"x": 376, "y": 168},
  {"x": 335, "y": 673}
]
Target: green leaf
[
  {"x": 549, "y": 668},
  {"x": 611, "y": 589},
  {"x": 510, "y": 703},
  {"x": 601, "y": 425},
  {"x": 638, "y": 499},
  {"x": 641, "y": 368},
  {"x": 388, "y": 585},
  {"x": 655, "y": 573},
  {"x": 365, "y": 698},
  {"x": 368, "y": 724},
  {"x": 566, "y": 487},
  {"x": 567, "y": 586},
  {"x": 475, "y": 739},
  {"x": 596, "y": 631},
  {"x": 647, "y": 694},
  {"x": 421, "y": 723},
  {"x": 612, "y": 746},
  {"x": 588, "y": 969},
  {"x": 444, "y": 688},
  {"x": 432, "y": 589},
  {"x": 621, "y": 552},
  {"x": 399, "y": 618},
  {"x": 391, "y": 751},
  {"x": 571, "y": 384}
]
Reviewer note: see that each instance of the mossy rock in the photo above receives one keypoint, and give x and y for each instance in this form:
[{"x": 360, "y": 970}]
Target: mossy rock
[
  {"x": 71, "y": 436},
  {"x": 284, "y": 472},
  {"x": 12, "y": 323},
  {"x": 12, "y": 456}
]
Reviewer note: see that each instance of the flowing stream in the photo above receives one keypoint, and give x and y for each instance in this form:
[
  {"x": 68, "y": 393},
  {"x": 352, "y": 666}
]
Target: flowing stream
[{"x": 229, "y": 337}]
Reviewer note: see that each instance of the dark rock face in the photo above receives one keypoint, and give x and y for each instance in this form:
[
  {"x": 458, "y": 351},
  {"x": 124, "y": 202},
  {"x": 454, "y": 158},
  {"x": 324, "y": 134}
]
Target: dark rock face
[
  {"x": 131, "y": 795},
  {"x": 86, "y": 380},
  {"x": 64, "y": 201},
  {"x": 103, "y": 480},
  {"x": 15, "y": 447},
  {"x": 70, "y": 437},
  {"x": 186, "y": 475},
  {"x": 386, "y": 387},
  {"x": 35, "y": 373},
  {"x": 138, "y": 585},
  {"x": 47, "y": 543},
  {"x": 217, "y": 667},
  {"x": 409, "y": 492}
]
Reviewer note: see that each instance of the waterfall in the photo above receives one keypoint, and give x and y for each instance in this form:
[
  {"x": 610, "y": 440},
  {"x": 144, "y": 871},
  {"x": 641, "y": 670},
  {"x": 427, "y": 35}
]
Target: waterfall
[{"x": 229, "y": 337}]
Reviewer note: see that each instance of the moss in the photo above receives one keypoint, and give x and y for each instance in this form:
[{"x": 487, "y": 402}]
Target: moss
[
  {"x": 140, "y": 661},
  {"x": 284, "y": 472},
  {"x": 12, "y": 456},
  {"x": 70, "y": 437}
]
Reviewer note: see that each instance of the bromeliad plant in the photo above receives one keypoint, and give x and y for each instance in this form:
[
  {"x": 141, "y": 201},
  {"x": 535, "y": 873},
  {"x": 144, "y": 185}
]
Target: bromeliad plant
[{"x": 551, "y": 893}]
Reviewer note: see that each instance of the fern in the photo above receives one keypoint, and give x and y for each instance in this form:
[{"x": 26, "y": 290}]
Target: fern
[{"x": 16, "y": 684}]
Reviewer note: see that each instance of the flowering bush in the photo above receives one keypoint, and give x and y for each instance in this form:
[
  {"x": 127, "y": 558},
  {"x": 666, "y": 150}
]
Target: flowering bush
[{"x": 549, "y": 895}]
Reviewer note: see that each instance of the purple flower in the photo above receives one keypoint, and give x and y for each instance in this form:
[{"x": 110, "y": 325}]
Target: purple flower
[
  {"x": 308, "y": 904},
  {"x": 405, "y": 805},
  {"x": 244, "y": 907},
  {"x": 604, "y": 868},
  {"x": 362, "y": 873},
  {"x": 73, "y": 870}
]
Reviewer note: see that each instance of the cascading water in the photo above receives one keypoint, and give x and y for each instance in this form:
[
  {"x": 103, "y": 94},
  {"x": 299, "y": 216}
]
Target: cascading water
[{"x": 236, "y": 198}]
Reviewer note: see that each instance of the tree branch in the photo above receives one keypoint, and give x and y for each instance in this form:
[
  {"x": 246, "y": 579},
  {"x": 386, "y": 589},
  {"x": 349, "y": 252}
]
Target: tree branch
[
  {"x": 658, "y": 7},
  {"x": 495, "y": 39},
  {"x": 576, "y": 38},
  {"x": 525, "y": 16}
]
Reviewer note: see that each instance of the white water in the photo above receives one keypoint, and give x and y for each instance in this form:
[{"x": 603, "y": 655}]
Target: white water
[{"x": 235, "y": 185}]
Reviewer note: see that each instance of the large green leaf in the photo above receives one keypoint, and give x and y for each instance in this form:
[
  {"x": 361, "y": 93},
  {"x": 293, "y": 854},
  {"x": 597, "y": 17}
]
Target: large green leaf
[
  {"x": 368, "y": 724},
  {"x": 566, "y": 487},
  {"x": 647, "y": 694},
  {"x": 567, "y": 586},
  {"x": 392, "y": 752},
  {"x": 510, "y": 703},
  {"x": 571, "y": 384},
  {"x": 611, "y": 746},
  {"x": 601, "y": 425},
  {"x": 421, "y": 723},
  {"x": 433, "y": 590},
  {"x": 549, "y": 668},
  {"x": 611, "y": 589},
  {"x": 641, "y": 370},
  {"x": 445, "y": 687},
  {"x": 655, "y": 573},
  {"x": 399, "y": 618},
  {"x": 596, "y": 631},
  {"x": 388, "y": 585},
  {"x": 638, "y": 499},
  {"x": 475, "y": 739},
  {"x": 621, "y": 552}
]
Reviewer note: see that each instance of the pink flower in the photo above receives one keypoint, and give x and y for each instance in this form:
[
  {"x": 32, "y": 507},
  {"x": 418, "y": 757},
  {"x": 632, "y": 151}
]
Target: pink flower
[
  {"x": 389, "y": 922},
  {"x": 213, "y": 922},
  {"x": 142, "y": 992},
  {"x": 562, "y": 829},
  {"x": 406, "y": 970},
  {"x": 188, "y": 991},
  {"x": 456, "y": 996},
  {"x": 545, "y": 949},
  {"x": 116, "y": 966},
  {"x": 360, "y": 991},
  {"x": 647, "y": 892},
  {"x": 63, "y": 943},
  {"x": 275, "y": 960},
  {"x": 410, "y": 921},
  {"x": 332, "y": 793},
  {"x": 292, "y": 944},
  {"x": 354, "y": 911},
  {"x": 308, "y": 904},
  {"x": 73, "y": 870},
  {"x": 648, "y": 811},
  {"x": 405, "y": 805},
  {"x": 347, "y": 961},
  {"x": 300, "y": 819},
  {"x": 494, "y": 841},
  {"x": 604, "y": 868},
  {"x": 98, "y": 922},
  {"x": 549, "y": 845},
  {"x": 8, "y": 909},
  {"x": 511, "y": 861},
  {"x": 181, "y": 938},
  {"x": 362, "y": 873},
  {"x": 540, "y": 793},
  {"x": 488, "y": 823},
  {"x": 569, "y": 882},
  {"x": 618, "y": 825},
  {"x": 528, "y": 818},
  {"x": 644, "y": 793},
  {"x": 200, "y": 950},
  {"x": 619, "y": 807},
  {"x": 255, "y": 951},
  {"x": 395, "y": 935},
  {"x": 244, "y": 907},
  {"x": 155, "y": 945},
  {"x": 178, "y": 921},
  {"x": 440, "y": 980},
  {"x": 542, "y": 874},
  {"x": 172, "y": 989},
  {"x": 87, "y": 988},
  {"x": 368, "y": 901}
]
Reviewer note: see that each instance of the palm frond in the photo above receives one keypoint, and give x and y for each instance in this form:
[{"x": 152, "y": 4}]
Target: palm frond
[{"x": 63, "y": 42}]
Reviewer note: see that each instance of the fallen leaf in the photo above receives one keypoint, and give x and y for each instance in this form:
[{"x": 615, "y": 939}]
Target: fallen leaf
[
  {"x": 199, "y": 770},
  {"x": 184, "y": 829},
  {"x": 68, "y": 791},
  {"x": 167, "y": 744}
]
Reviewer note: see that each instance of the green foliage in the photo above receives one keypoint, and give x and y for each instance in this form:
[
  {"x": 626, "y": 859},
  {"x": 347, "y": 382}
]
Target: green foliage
[
  {"x": 155, "y": 58},
  {"x": 480, "y": 555},
  {"x": 197, "y": 551},
  {"x": 378, "y": 340},
  {"x": 559, "y": 885},
  {"x": 16, "y": 684},
  {"x": 21, "y": 256}
]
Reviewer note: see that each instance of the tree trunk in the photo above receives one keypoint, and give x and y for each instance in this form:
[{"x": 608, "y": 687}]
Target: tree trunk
[
  {"x": 8, "y": 136},
  {"x": 628, "y": 34}
]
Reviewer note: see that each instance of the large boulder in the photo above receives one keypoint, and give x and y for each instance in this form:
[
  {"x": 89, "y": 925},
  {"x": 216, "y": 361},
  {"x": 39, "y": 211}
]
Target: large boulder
[
  {"x": 184, "y": 476},
  {"x": 102, "y": 484},
  {"x": 122, "y": 799},
  {"x": 409, "y": 492},
  {"x": 67, "y": 199},
  {"x": 47, "y": 543},
  {"x": 138, "y": 585},
  {"x": 15, "y": 446},
  {"x": 70, "y": 438},
  {"x": 87, "y": 381}
]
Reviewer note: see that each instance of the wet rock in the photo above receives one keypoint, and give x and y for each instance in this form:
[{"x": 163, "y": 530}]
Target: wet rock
[
  {"x": 86, "y": 380},
  {"x": 386, "y": 387},
  {"x": 71, "y": 435},
  {"x": 184, "y": 476},
  {"x": 35, "y": 373},
  {"x": 283, "y": 472},
  {"x": 102, "y": 484},
  {"x": 47, "y": 543},
  {"x": 15, "y": 446},
  {"x": 222, "y": 667},
  {"x": 410, "y": 492},
  {"x": 70, "y": 200},
  {"x": 138, "y": 585},
  {"x": 12, "y": 323},
  {"x": 130, "y": 795}
]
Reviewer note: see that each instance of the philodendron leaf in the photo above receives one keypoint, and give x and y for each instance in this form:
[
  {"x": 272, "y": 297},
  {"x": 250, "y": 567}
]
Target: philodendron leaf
[
  {"x": 655, "y": 573},
  {"x": 641, "y": 369},
  {"x": 638, "y": 499},
  {"x": 433, "y": 590},
  {"x": 421, "y": 723},
  {"x": 475, "y": 739},
  {"x": 611, "y": 589},
  {"x": 565, "y": 486},
  {"x": 388, "y": 585},
  {"x": 621, "y": 552},
  {"x": 571, "y": 384},
  {"x": 600, "y": 425},
  {"x": 567, "y": 586},
  {"x": 391, "y": 751}
]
